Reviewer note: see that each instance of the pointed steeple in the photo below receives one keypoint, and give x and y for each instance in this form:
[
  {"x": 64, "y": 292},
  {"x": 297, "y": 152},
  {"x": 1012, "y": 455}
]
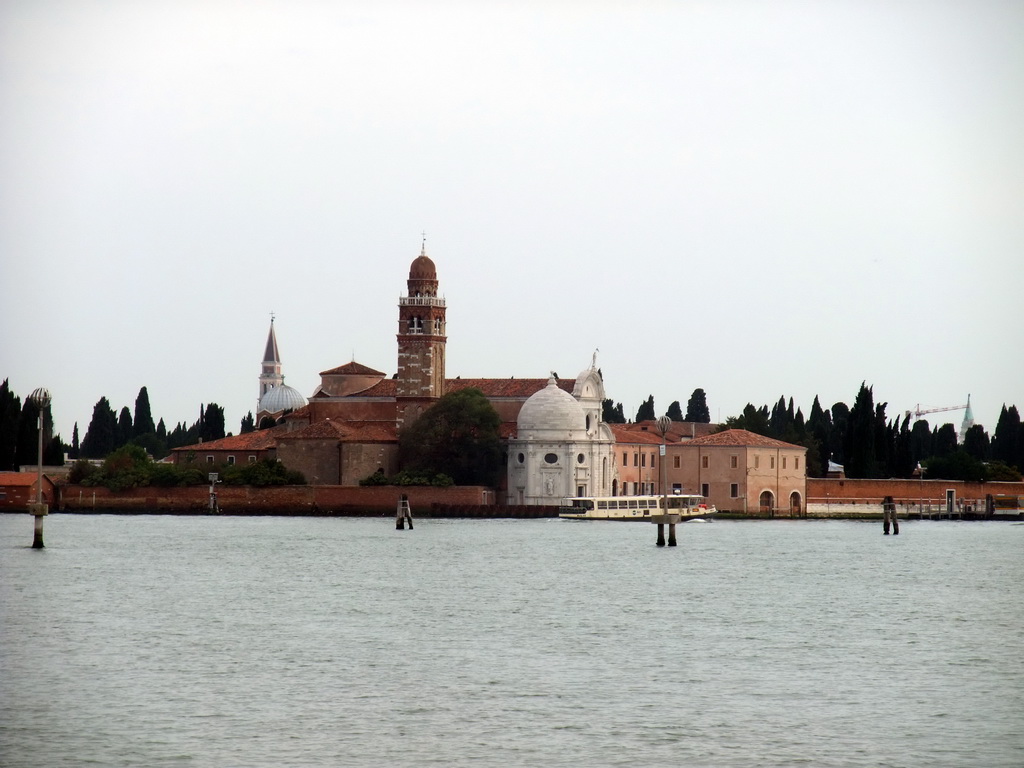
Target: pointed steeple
[
  {"x": 271, "y": 355},
  {"x": 270, "y": 375},
  {"x": 968, "y": 421}
]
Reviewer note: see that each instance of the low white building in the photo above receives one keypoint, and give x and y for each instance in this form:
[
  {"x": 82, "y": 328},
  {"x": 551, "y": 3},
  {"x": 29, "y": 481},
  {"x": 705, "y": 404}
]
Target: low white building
[{"x": 562, "y": 448}]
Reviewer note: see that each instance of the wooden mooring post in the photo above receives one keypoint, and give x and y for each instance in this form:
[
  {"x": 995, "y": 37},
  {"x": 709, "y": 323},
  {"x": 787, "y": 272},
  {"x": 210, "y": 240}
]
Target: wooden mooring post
[
  {"x": 662, "y": 521},
  {"x": 404, "y": 513},
  {"x": 889, "y": 516}
]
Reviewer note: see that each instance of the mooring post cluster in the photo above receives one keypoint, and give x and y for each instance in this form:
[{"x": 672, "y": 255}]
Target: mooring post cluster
[
  {"x": 404, "y": 514},
  {"x": 670, "y": 521},
  {"x": 40, "y": 398},
  {"x": 889, "y": 516}
]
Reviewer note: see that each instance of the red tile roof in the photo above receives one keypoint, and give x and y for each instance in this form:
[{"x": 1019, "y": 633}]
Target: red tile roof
[
  {"x": 512, "y": 387},
  {"x": 623, "y": 434},
  {"x": 352, "y": 369},
  {"x": 385, "y": 388},
  {"x": 18, "y": 479},
  {"x": 679, "y": 430},
  {"x": 742, "y": 438},
  {"x": 346, "y": 431},
  {"x": 260, "y": 440}
]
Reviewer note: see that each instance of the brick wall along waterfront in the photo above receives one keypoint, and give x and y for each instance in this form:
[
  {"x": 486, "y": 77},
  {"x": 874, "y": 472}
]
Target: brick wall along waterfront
[{"x": 282, "y": 500}]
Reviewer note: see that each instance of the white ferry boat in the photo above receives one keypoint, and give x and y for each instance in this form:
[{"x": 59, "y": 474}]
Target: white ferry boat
[{"x": 634, "y": 507}]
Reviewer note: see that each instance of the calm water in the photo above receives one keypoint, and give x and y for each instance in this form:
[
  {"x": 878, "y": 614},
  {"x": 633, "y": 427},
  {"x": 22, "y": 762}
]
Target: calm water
[{"x": 176, "y": 641}]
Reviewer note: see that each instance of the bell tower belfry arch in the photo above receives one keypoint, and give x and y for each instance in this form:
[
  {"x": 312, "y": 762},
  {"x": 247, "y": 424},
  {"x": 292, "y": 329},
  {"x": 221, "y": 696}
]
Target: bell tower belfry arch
[{"x": 421, "y": 341}]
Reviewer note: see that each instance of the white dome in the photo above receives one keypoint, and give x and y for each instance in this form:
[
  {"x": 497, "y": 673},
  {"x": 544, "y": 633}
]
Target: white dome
[
  {"x": 282, "y": 398},
  {"x": 551, "y": 409}
]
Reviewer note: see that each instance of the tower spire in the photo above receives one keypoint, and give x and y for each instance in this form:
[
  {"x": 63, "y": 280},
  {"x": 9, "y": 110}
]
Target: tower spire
[{"x": 270, "y": 374}]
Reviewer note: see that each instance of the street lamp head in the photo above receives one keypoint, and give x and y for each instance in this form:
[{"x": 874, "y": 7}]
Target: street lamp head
[
  {"x": 40, "y": 398},
  {"x": 664, "y": 424}
]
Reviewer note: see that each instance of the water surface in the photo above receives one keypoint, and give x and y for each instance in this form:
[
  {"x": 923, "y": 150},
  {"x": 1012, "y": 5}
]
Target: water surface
[{"x": 205, "y": 641}]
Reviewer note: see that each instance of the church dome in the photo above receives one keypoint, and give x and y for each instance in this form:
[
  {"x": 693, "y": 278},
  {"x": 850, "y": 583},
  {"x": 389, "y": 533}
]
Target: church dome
[
  {"x": 551, "y": 409},
  {"x": 422, "y": 268},
  {"x": 282, "y": 398}
]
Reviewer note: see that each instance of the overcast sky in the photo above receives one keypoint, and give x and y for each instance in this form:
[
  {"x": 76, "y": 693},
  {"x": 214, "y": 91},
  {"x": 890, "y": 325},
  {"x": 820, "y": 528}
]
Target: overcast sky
[{"x": 759, "y": 199}]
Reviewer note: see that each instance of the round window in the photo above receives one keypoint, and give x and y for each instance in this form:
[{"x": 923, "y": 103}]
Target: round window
[
  {"x": 581, "y": 458},
  {"x": 521, "y": 458},
  {"x": 551, "y": 458}
]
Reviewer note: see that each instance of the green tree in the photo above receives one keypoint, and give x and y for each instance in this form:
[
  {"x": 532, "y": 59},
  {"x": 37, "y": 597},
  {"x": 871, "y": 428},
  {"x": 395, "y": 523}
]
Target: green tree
[
  {"x": 944, "y": 442},
  {"x": 25, "y": 452},
  {"x": 752, "y": 419},
  {"x": 780, "y": 419},
  {"x": 920, "y": 441},
  {"x": 675, "y": 411},
  {"x": 860, "y": 443},
  {"x": 124, "y": 427},
  {"x": 212, "y": 423},
  {"x": 10, "y": 419},
  {"x": 457, "y": 436},
  {"x": 697, "y": 408},
  {"x": 143, "y": 424},
  {"x": 904, "y": 462},
  {"x": 248, "y": 424},
  {"x": 956, "y": 465},
  {"x": 646, "y": 410},
  {"x": 75, "y": 445},
  {"x": 611, "y": 413},
  {"x": 837, "y": 436},
  {"x": 1007, "y": 438},
  {"x": 102, "y": 432},
  {"x": 126, "y": 467},
  {"x": 819, "y": 425},
  {"x": 976, "y": 442}
]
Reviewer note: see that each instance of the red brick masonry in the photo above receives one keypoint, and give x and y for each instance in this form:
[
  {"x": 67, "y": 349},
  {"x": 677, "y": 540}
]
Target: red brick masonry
[
  {"x": 835, "y": 491},
  {"x": 283, "y": 500}
]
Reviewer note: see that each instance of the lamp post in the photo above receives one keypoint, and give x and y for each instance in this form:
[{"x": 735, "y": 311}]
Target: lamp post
[
  {"x": 664, "y": 424},
  {"x": 40, "y": 398}
]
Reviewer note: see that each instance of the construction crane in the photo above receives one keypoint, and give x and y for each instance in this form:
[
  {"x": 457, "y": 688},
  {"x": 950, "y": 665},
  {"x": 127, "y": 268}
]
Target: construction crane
[{"x": 918, "y": 411}]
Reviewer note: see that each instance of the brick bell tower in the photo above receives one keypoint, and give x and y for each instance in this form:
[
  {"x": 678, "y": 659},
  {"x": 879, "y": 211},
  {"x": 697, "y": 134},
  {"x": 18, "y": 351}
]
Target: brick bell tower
[{"x": 421, "y": 340}]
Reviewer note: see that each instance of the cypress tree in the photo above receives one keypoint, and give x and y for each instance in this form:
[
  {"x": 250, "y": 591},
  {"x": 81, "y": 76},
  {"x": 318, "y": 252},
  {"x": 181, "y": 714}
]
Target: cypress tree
[
  {"x": 819, "y": 424},
  {"x": 646, "y": 410},
  {"x": 10, "y": 416},
  {"x": 859, "y": 443},
  {"x": 611, "y": 412},
  {"x": 920, "y": 441},
  {"x": 248, "y": 424},
  {"x": 28, "y": 435},
  {"x": 124, "y": 427},
  {"x": 102, "y": 432},
  {"x": 837, "y": 435},
  {"x": 143, "y": 424},
  {"x": 944, "y": 441},
  {"x": 212, "y": 427},
  {"x": 697, "y": 408},
  {"x": 976, "y": 442},
  {"x": 675, "y": 411},
  {"x": 1006, "y": 440}
]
